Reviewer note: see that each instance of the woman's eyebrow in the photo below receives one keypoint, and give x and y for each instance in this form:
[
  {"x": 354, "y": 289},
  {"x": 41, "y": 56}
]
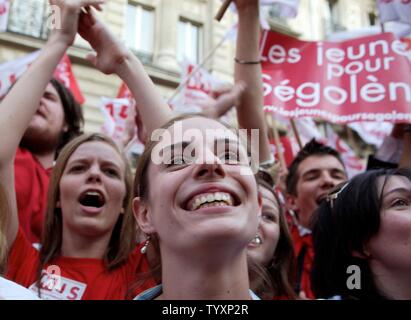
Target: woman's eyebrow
[
  {"x": 397, "y": 190},
  {"x": 111, "y": 163},
  {"x": 176, "y": 146},
  {"x": 78, "y": 160}
]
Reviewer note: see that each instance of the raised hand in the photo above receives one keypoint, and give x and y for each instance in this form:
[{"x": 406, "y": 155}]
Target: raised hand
[
  {"x": 109, "y": 51},
  {"x": 222, "y": 100},
  {"x": 67, "y": 16},
  {"x": 112, "y": 56},
  {"x": 243, "y": 4},
  {"x": 250, "y": 113}
]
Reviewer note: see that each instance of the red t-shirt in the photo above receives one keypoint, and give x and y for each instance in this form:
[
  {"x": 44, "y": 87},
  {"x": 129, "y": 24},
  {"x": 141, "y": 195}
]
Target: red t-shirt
[
  {"x": 81, "y": 278},
  {"x": 305, "y": 258},
  {"x": 31, "y": 185}
]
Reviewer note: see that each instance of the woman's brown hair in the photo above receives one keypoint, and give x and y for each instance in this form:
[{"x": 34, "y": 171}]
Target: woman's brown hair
[{"x": 122, "y": 240}]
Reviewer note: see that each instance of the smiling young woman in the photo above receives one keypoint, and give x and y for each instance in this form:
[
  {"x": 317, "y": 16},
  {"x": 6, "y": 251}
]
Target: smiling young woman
[{"x": 202, "y": 247}]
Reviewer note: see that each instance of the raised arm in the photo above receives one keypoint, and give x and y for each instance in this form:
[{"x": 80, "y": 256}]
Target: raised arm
[
  {"x": 250, "y": 113},
  {"x": 112, "y": 56},
  {"x": 20, "y": 104},
  {"x": 220, "y": 102}
]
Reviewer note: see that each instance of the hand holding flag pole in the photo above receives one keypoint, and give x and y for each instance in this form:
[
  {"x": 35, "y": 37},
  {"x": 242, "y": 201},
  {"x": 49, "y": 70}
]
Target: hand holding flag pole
[
  {"x": 223, "y": 9},
  {"x": 295, "y": 132},
  {"x": 272, "y": 125}
]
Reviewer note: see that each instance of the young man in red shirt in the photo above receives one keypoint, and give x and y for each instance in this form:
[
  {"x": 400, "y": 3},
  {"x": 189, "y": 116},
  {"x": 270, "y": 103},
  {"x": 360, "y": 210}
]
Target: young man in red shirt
[{"x": 313, "y": 173}]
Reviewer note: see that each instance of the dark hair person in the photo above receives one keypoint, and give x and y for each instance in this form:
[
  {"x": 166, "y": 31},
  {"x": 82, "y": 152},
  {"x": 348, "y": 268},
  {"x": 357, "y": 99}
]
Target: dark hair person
[{"x": 362, "y": 230}]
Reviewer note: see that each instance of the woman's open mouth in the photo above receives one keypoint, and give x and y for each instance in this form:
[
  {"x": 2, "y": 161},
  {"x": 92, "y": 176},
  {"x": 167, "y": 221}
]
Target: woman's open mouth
[{"x": 92, "y": 199}]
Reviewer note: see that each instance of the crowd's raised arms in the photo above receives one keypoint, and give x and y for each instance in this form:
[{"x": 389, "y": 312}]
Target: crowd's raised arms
[{"x": 209, "y": 213}]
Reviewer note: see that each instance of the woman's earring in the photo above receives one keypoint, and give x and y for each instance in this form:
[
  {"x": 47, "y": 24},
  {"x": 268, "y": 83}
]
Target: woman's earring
[{"x": 143, "y": 249}]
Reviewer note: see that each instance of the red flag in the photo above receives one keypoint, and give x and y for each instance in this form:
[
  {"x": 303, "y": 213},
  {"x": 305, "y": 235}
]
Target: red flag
[
  {"x": 286, "y": 146},
  {"x": 11, "y": 70},
  {"x": 124, "y": 92},
  {"x": 64, "y": 74}
]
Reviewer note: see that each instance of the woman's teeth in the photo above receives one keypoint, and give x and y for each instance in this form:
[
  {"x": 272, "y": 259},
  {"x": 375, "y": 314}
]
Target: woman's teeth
[
  {"x": 215, "y": 199},
  {"x": 256, "y": 240}
]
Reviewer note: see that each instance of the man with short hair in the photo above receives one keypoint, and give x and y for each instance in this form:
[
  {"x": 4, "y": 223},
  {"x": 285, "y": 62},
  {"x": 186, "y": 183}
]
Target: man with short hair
[{"x": 313, "y": 173}]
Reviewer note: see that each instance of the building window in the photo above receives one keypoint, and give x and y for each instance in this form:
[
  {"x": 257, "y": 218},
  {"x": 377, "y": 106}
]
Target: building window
[
  {"x": 189, "y": 41},
  {"x": 274, "y": 13},
  {"x": 140, "y": 30},
  {"x": 28, "y": 17},
  {"x": 333, "y": 20},
  {"x": 372, "y": 17}
]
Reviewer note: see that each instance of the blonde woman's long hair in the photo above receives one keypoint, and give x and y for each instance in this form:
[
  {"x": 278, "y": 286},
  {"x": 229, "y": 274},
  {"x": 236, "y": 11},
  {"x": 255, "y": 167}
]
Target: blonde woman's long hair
[{"x": 122, "y": 240}]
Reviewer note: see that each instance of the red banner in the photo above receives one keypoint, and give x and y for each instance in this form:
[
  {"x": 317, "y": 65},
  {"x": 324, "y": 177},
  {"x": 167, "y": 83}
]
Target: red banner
[
  {"x": 11, "y": 70},
  {"x": 365, "y": 79}
]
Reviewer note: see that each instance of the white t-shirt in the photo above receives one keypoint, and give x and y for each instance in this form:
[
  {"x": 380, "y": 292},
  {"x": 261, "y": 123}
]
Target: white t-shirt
[{"x": 12, "y": 291}]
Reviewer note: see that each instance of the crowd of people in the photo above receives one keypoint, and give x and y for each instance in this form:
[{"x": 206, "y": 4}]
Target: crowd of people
[{"x": 206, "y": 217}]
